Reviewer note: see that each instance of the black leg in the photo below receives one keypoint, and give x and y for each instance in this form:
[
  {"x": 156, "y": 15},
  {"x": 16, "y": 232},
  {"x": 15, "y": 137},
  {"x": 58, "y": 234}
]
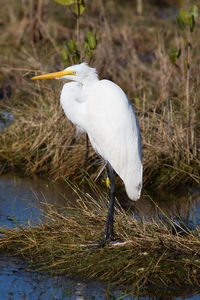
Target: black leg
[
  {"x": 86, "y": 152},
  {"x": 108, "y": 236}
]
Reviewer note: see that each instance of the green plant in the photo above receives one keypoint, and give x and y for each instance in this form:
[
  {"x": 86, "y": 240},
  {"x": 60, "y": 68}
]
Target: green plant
[
  {"x": 186, "y": 20},
  {"x": 74, "y": 53}
]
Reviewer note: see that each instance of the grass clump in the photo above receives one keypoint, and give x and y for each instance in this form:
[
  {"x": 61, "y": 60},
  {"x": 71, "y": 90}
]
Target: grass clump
[{"x": 148, "y": 254}]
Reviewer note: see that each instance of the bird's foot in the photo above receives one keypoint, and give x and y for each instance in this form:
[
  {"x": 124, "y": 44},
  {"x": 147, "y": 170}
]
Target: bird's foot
[{"x": 106, "y": 240}]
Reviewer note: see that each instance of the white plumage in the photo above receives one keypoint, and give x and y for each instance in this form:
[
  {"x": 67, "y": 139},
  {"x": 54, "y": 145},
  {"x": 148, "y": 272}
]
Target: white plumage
[{"x": 103, "y": 111}]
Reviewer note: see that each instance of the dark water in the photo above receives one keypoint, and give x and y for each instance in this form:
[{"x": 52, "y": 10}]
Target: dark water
[
  {"x": 6, "y": 118},
  {"x": 20, "y": 202}
]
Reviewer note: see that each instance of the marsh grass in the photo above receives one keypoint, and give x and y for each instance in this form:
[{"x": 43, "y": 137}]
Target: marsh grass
[
  {"x": 42, "y": 140},
  {"x": 145, "y": 255}
]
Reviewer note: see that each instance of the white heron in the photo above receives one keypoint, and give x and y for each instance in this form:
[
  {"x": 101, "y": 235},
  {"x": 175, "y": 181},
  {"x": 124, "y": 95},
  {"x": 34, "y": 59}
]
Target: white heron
[{"x": 102, "y": 110}]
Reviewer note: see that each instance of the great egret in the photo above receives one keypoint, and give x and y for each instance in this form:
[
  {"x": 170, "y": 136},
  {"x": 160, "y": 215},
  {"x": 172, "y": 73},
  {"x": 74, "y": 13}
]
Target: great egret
[{"x": 102, "y": 110}]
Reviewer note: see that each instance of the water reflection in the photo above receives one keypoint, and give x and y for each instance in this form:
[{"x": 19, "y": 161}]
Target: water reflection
[
  {"x": 183, "y": 207},
  {"x": 6, "y": 118},
  {"x": 17, "y": 283},
  {"x": 20, "y": 199}
]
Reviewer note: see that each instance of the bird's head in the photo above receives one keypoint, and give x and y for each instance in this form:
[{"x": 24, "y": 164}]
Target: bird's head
[{"x": 80, "y": 73}]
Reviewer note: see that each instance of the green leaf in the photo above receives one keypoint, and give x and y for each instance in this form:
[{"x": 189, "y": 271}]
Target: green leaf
[
  {"x": 73, "y": 53},
  {"x": 192, "y": 23},
  {"x": 172, "y": 59},
  {"x": 75, "y": 58},
  {"x": 174, "y": 54},
  {"x": 82, "y": 7},
  {"x": 87, "y": 49},
  {"x": 65, "y": 57},
  {"x": 65, "y": 2},
  {"x": 71, "y": 46},
  {"x": 86, "y": 46},
  {"x": 186, "y": 64},
  {"x": 91, "y": 40},
  {"x": 180, "y": 22},
  {"x": 185, "y": 16},
  {"x": 193, "y": 11},
  {"x": 79, "y": 7},
  {"x": 137, "y": 100},
  {"x": 178, "y": 53}
]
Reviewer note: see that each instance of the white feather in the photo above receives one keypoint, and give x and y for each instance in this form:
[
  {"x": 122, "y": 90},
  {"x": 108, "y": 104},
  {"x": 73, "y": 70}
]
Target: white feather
[{"x": 101, "y": 108}]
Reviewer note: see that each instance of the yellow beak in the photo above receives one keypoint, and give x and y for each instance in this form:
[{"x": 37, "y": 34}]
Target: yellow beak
[{"x": 54, "y": 75}]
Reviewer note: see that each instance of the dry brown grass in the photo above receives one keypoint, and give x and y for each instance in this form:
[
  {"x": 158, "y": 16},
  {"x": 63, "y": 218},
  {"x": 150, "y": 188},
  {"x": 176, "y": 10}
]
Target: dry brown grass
[{"x": 133, "y": 52}]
